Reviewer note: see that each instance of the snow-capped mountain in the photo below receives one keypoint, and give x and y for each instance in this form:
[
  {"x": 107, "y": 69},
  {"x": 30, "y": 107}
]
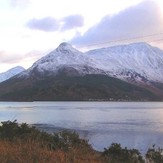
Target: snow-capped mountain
[
  {"x": 64, "y": 59},
  {"x": 137, "y": 61},
  {"x": 68, "y": 74},
  {"x": 10, "y": 73}
]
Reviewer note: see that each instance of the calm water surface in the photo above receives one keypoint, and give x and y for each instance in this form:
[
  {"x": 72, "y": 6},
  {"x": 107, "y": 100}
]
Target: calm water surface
[{"x": 133, "y": 124}]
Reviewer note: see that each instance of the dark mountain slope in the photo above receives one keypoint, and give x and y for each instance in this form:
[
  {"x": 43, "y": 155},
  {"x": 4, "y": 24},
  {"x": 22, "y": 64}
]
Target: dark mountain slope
[{"x": 88, "y": 87}]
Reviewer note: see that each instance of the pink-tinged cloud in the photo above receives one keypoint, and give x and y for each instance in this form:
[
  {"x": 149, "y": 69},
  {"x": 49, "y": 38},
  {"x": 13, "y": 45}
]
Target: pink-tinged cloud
[{"x": 9, "y": 58}]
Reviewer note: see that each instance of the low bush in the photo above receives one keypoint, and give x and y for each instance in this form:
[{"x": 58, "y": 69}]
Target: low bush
[
  {"x": 116, "y": 154},
  {"x": 154, "y": 155},
  {"x": 64, "y": 140}
]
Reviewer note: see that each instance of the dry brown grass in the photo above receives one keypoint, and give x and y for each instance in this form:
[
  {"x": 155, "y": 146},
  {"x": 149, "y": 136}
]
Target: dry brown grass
[
  {"x": 23, "y": 152},
  {"x": 33, "y": 152}
]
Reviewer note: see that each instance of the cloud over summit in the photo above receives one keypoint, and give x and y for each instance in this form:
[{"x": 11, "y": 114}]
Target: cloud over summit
[
  {"x": 139, "y": 20},
  {"x": 72, "y": 21}
]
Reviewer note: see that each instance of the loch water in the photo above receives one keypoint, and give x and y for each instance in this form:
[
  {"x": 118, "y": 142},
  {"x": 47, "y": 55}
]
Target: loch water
[{"x": 133, "y": 124}]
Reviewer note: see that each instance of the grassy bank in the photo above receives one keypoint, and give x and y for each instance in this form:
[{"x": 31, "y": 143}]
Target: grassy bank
[{"x": 20, "y": 143}]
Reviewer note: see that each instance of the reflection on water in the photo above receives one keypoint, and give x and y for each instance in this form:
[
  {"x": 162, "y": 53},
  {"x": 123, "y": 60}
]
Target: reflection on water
[{"x": 133, "y": 124}]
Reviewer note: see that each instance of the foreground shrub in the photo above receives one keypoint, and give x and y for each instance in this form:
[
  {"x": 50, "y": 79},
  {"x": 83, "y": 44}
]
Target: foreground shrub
[
  {"x": 154, "y": 155},
  {"x": 22, "y": 143},
  {"x": 64, "y": 140},
  {"x": 116, "y": 154},
  {"x": 12, "y": 130}
]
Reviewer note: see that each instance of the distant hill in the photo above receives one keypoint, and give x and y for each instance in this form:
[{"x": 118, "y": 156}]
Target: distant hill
[{"x": 10, "y": 73}]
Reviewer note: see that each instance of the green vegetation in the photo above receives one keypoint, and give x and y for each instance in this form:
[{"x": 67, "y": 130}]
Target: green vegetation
[
  {"x": 73, "y": 88},
  {"x": 22, "y": 143},
  {"x": 154, "y": 155},
  {"x": 115, "y": 153}
]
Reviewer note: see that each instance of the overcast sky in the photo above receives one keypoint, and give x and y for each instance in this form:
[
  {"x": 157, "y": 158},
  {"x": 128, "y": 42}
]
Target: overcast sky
[{"x": 31, "y": 28}]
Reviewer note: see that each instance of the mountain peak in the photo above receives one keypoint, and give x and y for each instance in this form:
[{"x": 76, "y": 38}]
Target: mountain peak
[{"x": 64, "y": 46}]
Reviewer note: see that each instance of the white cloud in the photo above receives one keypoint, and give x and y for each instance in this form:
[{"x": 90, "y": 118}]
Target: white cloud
[{"x": 19, "y": 3}]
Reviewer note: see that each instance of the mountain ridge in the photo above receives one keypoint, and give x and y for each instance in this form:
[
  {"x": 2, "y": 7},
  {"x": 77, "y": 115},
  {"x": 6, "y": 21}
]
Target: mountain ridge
[
  {"x": 63, "y": 56},
  {"x": 138, "y": 61},
  {"x": 137, "y": 65},
  {"x": 139, "y": 58}
]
